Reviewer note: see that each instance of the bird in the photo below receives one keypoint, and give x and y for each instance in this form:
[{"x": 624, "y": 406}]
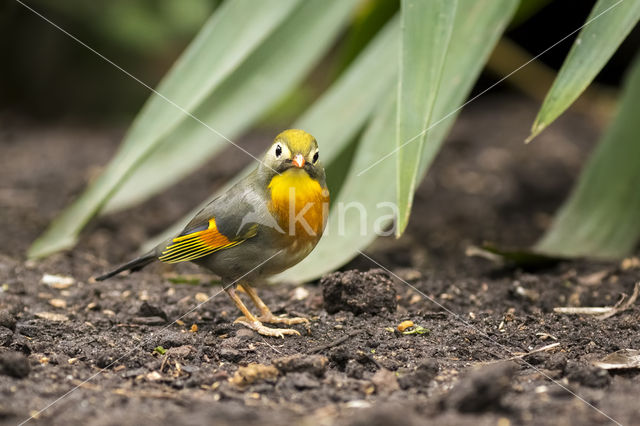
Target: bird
[{"x": 261, "y": 226}]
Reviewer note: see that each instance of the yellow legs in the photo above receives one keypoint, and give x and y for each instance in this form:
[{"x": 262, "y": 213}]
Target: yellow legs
[{"x": 255, "y": 323}]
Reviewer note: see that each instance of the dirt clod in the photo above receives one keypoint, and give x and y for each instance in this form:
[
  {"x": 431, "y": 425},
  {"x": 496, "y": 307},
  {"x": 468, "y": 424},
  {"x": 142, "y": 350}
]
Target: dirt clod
[
  {"x": 14, "y": 364},
  {"x": 301, "y": 381},
  {"x": 385, "y": 382},
  {"x": 313, "y": 364},
  {"x": 253, "y": 373},
  {"x": 7, "y": 320},
  {"x": 6, "y": 336},
  {"x": 482, "y": 390},
  {"x": 359, "y": 292},
  {"x": 421, "y": 376},
  {"x": 230, "y": 354},
  {"x": 587, "y": 374}
]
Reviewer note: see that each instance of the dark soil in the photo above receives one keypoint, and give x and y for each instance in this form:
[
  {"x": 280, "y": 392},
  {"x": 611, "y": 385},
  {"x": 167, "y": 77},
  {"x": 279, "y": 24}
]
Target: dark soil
[{"x": 79, "y": 352}]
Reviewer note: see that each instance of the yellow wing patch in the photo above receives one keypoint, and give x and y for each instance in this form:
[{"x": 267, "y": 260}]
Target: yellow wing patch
[{"x": 198, "y": 244}]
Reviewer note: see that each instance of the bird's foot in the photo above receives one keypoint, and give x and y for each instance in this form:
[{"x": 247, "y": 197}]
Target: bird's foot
[
  {"x": 272, "y": 319},
  {"x": 260, "y": 328}
]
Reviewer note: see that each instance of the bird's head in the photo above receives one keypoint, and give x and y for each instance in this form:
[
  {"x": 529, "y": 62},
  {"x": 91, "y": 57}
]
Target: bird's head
[{"x": 294, "y": 150}]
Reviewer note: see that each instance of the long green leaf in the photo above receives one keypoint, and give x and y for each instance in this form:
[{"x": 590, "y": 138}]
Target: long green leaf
[
  {"x": 601, "y": 219},
  {"x": 342, "y": 111},
  {"x": 213, "y": 55},
  {"x": 608, "y": 24},
  {"x": 426, "y": 32},
  {"x": 276, "y": 68},
  {"x": 478, "y": 26}
]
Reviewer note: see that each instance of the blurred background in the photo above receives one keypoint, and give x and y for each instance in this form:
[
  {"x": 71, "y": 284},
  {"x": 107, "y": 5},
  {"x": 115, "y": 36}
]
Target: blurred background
[
  {"x": 64, "y": 110},
  {"x": 47, "y": 76}
]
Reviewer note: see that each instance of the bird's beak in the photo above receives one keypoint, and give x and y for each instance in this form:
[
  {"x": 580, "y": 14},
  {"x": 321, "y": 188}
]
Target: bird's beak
[{"x": 298, "y": 161}]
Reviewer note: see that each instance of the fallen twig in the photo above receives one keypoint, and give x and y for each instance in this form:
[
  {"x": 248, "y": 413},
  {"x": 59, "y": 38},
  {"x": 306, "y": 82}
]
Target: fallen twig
[
  {"x": 620, "y": 307},
  {"x": 602, "y": 312},
  {"x": 335, "y": 342},
  {"x": 582, "y": 310},
  {"x": 535, "y": 351}
]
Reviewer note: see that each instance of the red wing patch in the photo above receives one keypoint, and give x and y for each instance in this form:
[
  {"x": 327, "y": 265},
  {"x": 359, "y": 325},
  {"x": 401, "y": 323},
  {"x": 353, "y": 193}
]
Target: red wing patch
[{"x": 198, "y": 244}]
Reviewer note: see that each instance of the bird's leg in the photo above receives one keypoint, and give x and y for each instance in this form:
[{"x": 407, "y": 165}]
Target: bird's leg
[
  {"x": 248, "y": 320},
  {"x": 265, "y": 312}
]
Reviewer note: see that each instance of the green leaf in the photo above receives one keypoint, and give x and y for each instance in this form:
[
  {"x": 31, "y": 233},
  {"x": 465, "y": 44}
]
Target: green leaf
[
  {"x": 208, "y": 61},
  {"x": 607, "y": 26},
  {"x": 600, "y": 218},
  {"x": 426, "y": 32},
  {"x": 342, "y": 111},
  {"x": 240, "y": 100},
  {"x": 478, "y": 26}
]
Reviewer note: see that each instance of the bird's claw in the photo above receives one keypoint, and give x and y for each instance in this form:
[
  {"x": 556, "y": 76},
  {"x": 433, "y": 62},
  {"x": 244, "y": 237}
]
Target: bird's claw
[
  {"x": 272, "y": 319},
  {"x": 260, "y": 328}
]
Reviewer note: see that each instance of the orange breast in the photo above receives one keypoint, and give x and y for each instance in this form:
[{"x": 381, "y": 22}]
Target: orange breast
[{"x": 299, "y": 204}]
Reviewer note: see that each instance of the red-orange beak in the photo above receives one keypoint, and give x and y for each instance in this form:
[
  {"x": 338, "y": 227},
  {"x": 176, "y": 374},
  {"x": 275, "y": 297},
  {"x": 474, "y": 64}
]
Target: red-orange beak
[{"x": 298, "y": 161}]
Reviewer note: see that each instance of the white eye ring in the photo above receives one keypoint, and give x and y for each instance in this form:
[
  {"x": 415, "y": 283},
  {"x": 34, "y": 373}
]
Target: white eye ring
[
  {"x": 278, "y": 150},
  {"x": 316, "y": 155}
]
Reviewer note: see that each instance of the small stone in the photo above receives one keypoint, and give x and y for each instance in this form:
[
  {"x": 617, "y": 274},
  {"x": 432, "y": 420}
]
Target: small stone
[
  {"x": 14, "y": 364},
  {"x": 58, "y": 281},
  {"x": 201, "y": 297},
  {"x": 154, "y": 376},
  {"x": 147, "y": 310},
  {"x": 58, "y": 303},
  {"x": 149, "y": 320},
  {"x": 7, "y": 320},
  {"x": 50, "y": 316},
  {"x": 231, "y": 355}
]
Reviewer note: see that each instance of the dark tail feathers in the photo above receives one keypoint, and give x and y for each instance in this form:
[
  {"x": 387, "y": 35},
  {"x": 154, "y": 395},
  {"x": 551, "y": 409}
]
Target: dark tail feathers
[{"x": 133, "y": 266}]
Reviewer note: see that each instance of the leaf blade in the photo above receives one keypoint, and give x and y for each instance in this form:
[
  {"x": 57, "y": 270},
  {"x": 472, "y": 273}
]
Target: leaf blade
[
  {"x": 426, "y": 32},
  {"x": 600, "y": 217},
  {"x": 606, "y": 27},
  {"x": 240, "y": 100}
]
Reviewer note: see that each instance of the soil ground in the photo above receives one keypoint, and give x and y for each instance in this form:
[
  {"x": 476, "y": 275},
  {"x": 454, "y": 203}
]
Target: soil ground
[{"x": 87, "y": 352}]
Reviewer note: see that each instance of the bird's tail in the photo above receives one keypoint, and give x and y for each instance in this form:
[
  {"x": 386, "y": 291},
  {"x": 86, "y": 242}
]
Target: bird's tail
[{"x": 134, "y": 265}]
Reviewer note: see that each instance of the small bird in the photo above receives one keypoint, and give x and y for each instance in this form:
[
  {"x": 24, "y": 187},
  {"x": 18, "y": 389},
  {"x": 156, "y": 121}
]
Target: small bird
[{"x": 261, "y": 226}]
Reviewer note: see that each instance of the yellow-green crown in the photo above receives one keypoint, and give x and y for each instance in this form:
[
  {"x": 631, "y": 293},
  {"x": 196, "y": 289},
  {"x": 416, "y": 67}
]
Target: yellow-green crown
[{"x": 297, "y": 140}]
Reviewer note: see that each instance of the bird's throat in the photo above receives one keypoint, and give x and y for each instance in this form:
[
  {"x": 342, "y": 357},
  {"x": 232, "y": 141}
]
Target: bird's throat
[{"x": 299, "y": 203}]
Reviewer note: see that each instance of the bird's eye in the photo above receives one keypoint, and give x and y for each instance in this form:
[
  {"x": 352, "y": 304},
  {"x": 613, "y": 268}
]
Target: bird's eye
[
  {"x": 278, "y": 150},
  {"x": 315, "y": 156}
]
